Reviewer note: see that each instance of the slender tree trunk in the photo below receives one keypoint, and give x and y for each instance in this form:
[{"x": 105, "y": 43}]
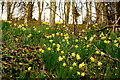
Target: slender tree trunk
[
  {"x": 26, "y": 13},
  {"x": 98, "y": 12},
  {"x": 40, "y": 10},
  {"x": 52, "y": 12},
  {"x": 30, "y": 10},
  {"x": 67, "y": 10},
  {"x": 8, "y": 10},
  {"x": 105, "y": 19}
]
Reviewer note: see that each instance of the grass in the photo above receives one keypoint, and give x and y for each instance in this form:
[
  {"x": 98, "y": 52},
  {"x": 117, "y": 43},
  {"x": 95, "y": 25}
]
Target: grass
[{"x": 51, "y": 52}]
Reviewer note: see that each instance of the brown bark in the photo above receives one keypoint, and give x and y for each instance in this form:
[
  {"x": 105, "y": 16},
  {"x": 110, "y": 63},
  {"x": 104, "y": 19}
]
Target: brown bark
[
  {"x": 40, "y": 9},
  {"x": 67, "y": 10},
  {"x": 98, "y": 12},
  {"x": 52, "y": 12},
  {"x": 8, "y": 10}
]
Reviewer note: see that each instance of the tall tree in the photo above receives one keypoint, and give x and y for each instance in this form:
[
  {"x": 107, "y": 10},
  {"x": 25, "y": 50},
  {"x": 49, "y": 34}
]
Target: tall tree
[
  {"x": 8, "y": 10},
  {"x": 98, "y": 12},
  {"x": 52, "y": 12},
  {"x": 67, "y": 11},
  {"x": 40, "y": 10}
]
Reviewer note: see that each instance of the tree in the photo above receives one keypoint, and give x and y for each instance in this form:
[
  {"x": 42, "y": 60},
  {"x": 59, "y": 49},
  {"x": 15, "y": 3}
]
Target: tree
[
  {"x": 67, "y": 11},
  {"x": 52, "y": 12},
  {"x": 40, "y": 9}
]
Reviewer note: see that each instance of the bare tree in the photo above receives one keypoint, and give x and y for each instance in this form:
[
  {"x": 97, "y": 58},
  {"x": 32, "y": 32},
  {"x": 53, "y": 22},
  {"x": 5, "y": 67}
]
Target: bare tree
[
  {"x": 40, "y": 9},
  {"x": 52, "y": 12},
  {"x": 67, "y": 11}
]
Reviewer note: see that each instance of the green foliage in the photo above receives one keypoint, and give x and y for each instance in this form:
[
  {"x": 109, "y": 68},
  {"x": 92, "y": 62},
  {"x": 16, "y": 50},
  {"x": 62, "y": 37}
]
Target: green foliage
[{"x": 49, "y": 52}]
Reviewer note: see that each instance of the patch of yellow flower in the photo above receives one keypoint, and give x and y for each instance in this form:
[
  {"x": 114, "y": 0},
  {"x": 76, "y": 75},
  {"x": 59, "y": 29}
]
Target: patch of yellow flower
[
  {"x": 83, "y": 74},
  {"x": 62, "y": 52},
  {"x": 91, "y": 39},
  {"x": 58, "y": 49},
  {"x": 102, "y": 53},
  {"x": 74, "y": 64},
  {"x": 64, "y": 64},
  {"x": 78, "y": 73},
  {"x": 97, "y": 52},
  {"x": 76, "y": 40},
  {"x": 117, "y": 44},
  {"x": 29, "y": 35},
  {"x": 73, "y": 54},
  {"x": 50, "y": 41},
  {"x": 76, "y": 46},
  {"x": 41, "y": 50},
  {"x": 99, "y": 63},
  {"x": 78, "y": 57},
  {"x": 81, "y": 65},
  {"x": 92, "y": 59},
  {"x": 104, "y": 37},
  {"x": 48, "y": 48},
  {"x": 60, "y": 58},
  {"x": 115, "y": 41},
  {"x": 29, "y": 68},
  {"x": 71, "y": 68},
  {"x": 106, "y": 41}
]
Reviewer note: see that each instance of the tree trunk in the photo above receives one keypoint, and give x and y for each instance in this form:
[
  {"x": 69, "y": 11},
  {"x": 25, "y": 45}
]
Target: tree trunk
[
  {"x": 30, "y": 10},
  {"x": 52, "y": 12},
  {"x": 8, "y": 10},
  {"x": 98, "y": 12},
  {"x": 67, "y": 10},
  {"x": 40, "y": 9},
  {"x": 26, "y": 14}
]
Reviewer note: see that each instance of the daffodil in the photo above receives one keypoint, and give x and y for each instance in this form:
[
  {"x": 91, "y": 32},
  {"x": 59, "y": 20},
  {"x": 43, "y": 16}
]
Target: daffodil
[
  {"x": 73, "y": 54},
  {"x": 62, "y": 52},
  {"x": 74, "y": 64},
  {"x": 104, "y": 37},
  {"x": 58, "y": 45},
  {"x": 29, "y": 35},
  {"x": 57, "y": 34},
  {"x": 53, "y": 35},
  {"x": 83, "y": 74},
  {"x": 97, "y": 52},
  {"x": 78, "y": 57},
  {"x": 16, "y": 39},
  {"x": 102, "y": 53},
  {"x": 63, "y": 40},
  {"x": 105, "y": 41},
  {"x": 53, "y": 44},
  {"x": 91, "y": 39},
  {"x": 64, "y": 64},
  {"x": 117, "y": 44},
  {"x": 85, "y": 37},
  {"x": 81, "y": 65},
  {"x": 115, "y": 41},
  {"x": 99, "y": 63},
  {"x": 58, "y": 49},
  {"x": 88, "y": 45},
  {"x": 49, "y": 48},
  {"x": 60, "y": 58},
  {"x": 71, "y": 68},
  {"x": 92, "y": 59},
  {"x": 76, "y": 46},
  {"x": 29, "y": 68},
  {"x": 67, "y": 37},
  {"x": 76, "y": 40},
  {"x": 39, "y": 31},
  {"x": 50, "y": 41},
  {"x": 78, "y": 73},
  {"x": 63, "y": 57}
]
